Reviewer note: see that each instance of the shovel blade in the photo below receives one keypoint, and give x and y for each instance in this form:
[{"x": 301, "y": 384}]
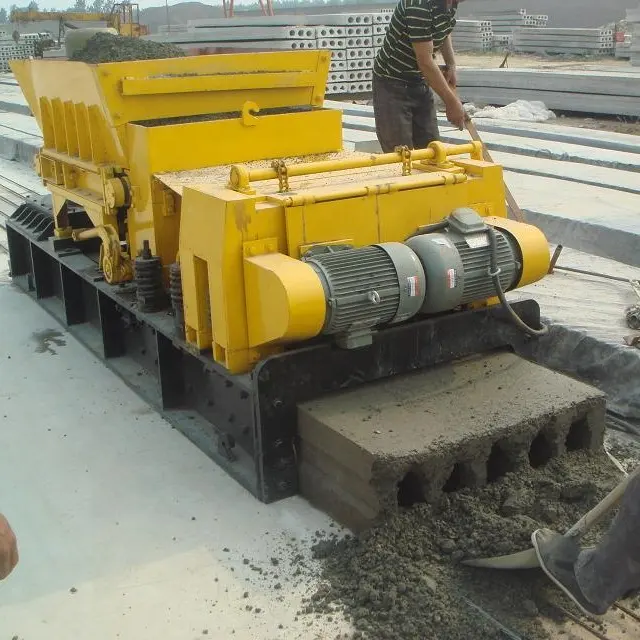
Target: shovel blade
[{"x": 521, "y": 560}]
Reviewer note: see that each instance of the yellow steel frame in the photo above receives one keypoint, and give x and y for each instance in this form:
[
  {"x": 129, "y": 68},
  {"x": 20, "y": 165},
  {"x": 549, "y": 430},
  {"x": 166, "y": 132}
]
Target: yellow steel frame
[
  {"x": 109, "y": 128},
  {"x": 233, "y": 240}
]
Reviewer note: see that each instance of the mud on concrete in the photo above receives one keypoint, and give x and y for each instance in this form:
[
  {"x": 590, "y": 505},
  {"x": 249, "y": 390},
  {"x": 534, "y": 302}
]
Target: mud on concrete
[
  {"x": 106, "y": 47},
  {"x": 403, "y": 578}
]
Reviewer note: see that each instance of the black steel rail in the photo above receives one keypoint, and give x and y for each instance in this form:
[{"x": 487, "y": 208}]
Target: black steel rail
[{"x": 13, "y": 194}]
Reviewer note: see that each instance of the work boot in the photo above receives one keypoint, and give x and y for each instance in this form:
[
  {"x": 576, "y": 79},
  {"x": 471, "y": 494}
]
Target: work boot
[{"x": 557, "y": 556}]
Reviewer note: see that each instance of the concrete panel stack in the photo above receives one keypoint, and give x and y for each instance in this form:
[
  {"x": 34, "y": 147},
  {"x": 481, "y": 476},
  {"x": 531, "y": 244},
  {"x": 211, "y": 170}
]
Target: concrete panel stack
[
  {"x": 504, "y": 22},
  {"x": 242, "y": 33},
  {"x": 596, "y": 42},
  {"x": 633, "y": 26},
  {"x": 473, "y": 35},
  {"x": 10, "y": 50},
  {"x": 606, "y": 92},
  {"x": 352, "y": 39},
  {"x": 379, "y": 31},
  {"x": 352, "y": 73},
  {"x": 170, "y": 28}
]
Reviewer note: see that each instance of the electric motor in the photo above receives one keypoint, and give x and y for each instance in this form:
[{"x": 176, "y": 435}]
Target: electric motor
[
  {"x": 367, "y": 287},
  {"x": 457, "y": 261}
]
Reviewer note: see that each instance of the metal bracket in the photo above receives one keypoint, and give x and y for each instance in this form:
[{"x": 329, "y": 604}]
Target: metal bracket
[
  {"x": 283, "y": 176},
  {"x": 115, "y": 264},
  {"x": 249, "y": 109}
]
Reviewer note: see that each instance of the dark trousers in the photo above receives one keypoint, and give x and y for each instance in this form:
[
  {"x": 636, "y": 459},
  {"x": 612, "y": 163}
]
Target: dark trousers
[
  {"x": 612, "y": 569},
  {"x": 405, "y": 114}
]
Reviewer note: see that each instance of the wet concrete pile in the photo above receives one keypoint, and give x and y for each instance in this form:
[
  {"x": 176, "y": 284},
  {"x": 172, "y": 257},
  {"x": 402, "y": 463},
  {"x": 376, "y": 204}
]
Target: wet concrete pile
[
  {"x": 403, "y": 579},
  {"x": 106, "y": 47}
]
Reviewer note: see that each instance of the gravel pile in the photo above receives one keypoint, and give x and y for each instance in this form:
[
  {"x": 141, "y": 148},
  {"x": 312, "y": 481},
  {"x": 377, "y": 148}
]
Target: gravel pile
[
  {"x": 403, "y": 580},
  {"x": 106, "y": 47}
]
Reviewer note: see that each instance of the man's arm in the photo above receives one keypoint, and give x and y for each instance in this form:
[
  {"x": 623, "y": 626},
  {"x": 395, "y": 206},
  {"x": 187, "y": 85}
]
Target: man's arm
[
  {"x": 436, "y": 80},
  {"x": 449, "y": 58},
  {"x": 8, "y": 549}
]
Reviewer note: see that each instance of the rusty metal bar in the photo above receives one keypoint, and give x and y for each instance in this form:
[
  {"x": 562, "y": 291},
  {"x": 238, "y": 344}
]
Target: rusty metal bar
[
  {"x": 627, "y": 611},
  {"x": 580, "y": 622},
  {"x": 555, "y": 257}
]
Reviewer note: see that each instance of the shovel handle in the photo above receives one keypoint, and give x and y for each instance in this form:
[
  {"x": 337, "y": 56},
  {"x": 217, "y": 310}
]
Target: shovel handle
[
  {"x": 603, "y": 507},
  {"x": 515, "y": 210}
]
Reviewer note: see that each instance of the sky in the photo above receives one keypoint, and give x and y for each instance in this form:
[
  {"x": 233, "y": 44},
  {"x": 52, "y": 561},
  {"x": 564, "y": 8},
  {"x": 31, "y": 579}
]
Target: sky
[{"x": 57, "y": 5}]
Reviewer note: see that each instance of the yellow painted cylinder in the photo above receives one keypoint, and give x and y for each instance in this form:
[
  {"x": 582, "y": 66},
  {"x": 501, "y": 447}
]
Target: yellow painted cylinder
[
  {"x": 285, "y": 300},
  {"x": 533, "y": 244}
]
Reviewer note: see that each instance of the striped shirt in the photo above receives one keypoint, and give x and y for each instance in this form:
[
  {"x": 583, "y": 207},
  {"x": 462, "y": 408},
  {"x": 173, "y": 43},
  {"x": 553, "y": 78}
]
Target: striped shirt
[{"x": 413, "y": 21}]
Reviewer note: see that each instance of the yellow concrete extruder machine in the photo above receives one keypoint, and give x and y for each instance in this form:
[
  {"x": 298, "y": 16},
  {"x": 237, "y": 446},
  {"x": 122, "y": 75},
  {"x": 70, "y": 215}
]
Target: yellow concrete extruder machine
[{"x": 208, "y": 237}]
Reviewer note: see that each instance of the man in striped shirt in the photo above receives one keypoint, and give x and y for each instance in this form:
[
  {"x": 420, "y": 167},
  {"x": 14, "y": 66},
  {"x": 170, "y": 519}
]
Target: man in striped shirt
[{"x": 405, "y": 72}]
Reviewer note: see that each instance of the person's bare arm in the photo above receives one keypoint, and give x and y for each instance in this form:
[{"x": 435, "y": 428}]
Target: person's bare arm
[
  {"x": 436, "y": 80},
  {"x": 449, "y": 57},
  {"x": 8, "y": 549}
]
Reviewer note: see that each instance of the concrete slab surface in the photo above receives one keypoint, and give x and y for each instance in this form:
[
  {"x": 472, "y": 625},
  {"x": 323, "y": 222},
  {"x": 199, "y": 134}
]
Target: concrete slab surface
[
  {"x": 126, "y": 530},
  {"x": 590, "y": 208},
  {"x": 360, "y": 419},
  {"x": 555, "y": 100},
  {"x": 611, "y": 83},
  {"x": 512, "y": 143},
  {"x": 542, "y": 131},
  {"x": 587, "y": 327},
  {"x": 588, "y": 218},
  {"x": 588, "y": 303},
  {"x": 616, "y": 179}
]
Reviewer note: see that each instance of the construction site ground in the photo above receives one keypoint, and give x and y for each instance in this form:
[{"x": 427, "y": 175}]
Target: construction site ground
[{"x": 128, "y": 531}]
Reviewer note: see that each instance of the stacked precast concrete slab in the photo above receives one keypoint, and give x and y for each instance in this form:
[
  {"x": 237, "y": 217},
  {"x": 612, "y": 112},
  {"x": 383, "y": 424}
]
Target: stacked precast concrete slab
[
  {"x": 352, "y": 38},
  {"x": 473, "y": 35},
  {"x": 12, "y": 50},
  {"x": 542, "y": 40},
  {"x": 504, "y": 23},
  {"x": 281, "y": 32},
  {"x": 363, "y": 36}
]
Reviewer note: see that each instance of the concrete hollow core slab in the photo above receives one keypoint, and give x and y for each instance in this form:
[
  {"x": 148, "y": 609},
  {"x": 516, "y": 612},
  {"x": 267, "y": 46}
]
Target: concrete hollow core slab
[{"x": 368, "y": 451}]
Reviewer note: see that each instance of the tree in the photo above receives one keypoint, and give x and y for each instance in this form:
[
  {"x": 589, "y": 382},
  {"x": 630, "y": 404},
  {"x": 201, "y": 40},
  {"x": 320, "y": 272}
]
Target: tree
[
  {"x": 3, "y": 16},
  {"x": 33, "y": 6},
  {"x": 97, "y": 6},
  {"x": 80, "y": 6}
]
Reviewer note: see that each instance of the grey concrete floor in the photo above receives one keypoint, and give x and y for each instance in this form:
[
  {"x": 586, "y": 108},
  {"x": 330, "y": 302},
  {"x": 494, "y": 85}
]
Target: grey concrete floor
[{"x": 108, "y": 500}]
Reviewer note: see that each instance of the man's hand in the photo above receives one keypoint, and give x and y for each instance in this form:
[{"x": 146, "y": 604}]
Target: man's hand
[
  {"x": 456, "y": 114},
  {"x": 451, "y": 76},
  {"x": 8, "y": 548}
]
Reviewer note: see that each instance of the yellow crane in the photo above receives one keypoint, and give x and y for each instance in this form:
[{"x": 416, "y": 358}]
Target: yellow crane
[{"x": 124, "y": 17}]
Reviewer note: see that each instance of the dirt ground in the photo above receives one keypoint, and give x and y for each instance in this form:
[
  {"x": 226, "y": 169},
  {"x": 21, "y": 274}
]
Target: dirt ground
[
  {"x": 404, "y": 580},
  {"x": 557, "y": 63}
]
